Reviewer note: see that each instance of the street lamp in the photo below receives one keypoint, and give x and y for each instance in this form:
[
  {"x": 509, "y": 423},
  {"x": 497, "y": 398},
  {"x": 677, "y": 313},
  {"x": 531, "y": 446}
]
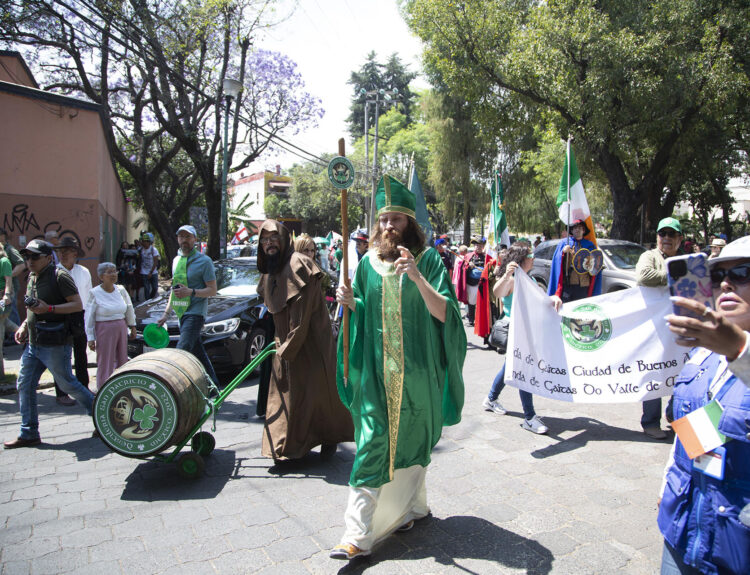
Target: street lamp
[
  {"x": 231, "y": 89},
  {"x": 378, "y": 97}
]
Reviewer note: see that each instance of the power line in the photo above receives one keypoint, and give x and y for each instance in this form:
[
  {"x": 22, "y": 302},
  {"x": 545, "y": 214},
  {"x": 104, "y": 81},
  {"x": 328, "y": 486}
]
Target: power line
[{"x": 134, "y": 46}]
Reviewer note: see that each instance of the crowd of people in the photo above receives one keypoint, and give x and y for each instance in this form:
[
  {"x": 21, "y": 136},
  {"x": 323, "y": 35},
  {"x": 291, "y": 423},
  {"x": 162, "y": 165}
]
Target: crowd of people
[{"x": 396, "y": 378}]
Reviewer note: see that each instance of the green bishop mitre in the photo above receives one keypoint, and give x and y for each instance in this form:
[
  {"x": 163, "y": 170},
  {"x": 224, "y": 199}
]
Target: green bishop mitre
[{"x": 393, "y": 196}]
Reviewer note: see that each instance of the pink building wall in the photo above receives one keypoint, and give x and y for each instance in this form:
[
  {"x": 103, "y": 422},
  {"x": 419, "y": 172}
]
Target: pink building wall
[{"x": 56, "y": 172}]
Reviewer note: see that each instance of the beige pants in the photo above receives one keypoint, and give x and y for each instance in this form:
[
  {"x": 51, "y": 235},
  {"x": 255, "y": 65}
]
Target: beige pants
[{"x": 372, "y": 514}]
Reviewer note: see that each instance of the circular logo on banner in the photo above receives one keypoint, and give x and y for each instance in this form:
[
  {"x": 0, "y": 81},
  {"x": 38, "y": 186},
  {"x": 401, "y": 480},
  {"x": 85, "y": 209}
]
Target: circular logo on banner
[
  {"x": 341, "y": 172},
  {"x": 135, "y": 414},
  {"x": 590, "y": 330}
]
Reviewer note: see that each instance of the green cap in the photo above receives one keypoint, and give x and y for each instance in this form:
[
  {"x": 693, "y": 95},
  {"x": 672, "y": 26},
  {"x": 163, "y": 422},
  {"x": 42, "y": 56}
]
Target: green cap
[
  {"x": 393, "y": 196},
  {"x": 670, "y": 223}
]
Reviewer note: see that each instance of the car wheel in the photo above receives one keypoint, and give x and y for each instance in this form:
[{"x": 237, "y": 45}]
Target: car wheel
[
  {"x": 541, "y": 283},
  {"x": 256, "y": 342}
]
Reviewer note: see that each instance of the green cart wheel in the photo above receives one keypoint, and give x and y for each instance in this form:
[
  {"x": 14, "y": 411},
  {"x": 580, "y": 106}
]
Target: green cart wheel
[
  {"x": 190, "y": 465},
  {"x": 203, "y": 443}
]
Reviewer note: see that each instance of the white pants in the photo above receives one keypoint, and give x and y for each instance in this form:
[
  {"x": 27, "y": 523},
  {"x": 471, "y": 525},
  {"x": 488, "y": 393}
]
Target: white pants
[
  {"x": 471, "y": 294},
  {"x": 372, "y": 514}
]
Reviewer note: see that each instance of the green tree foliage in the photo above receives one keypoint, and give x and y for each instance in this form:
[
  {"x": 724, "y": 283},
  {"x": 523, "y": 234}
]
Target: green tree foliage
[
  {"x": 645, "y": 87},
  {"x": 314, "y": 199},
  {"x": 376, "y": 76},
  {"x": 460, "y": 159},
  {"x": 157, "y": 69}
]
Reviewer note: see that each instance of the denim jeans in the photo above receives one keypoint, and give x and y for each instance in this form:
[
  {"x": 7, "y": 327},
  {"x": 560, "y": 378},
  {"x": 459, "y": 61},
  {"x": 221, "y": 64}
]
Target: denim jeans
[
  {"x": 35, "y": 359},
  {"x": 672, "y": 564},
  {"x": 527, "y": 399},
  {"x": 191, "y": 325},
  {"x": 150, "y": 285},
  {"x": 651, "y": 413}
]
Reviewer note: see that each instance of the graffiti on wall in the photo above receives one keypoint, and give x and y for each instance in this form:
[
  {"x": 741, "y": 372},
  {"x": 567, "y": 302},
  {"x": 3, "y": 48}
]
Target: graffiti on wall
[{"x": 23, "y": 222}]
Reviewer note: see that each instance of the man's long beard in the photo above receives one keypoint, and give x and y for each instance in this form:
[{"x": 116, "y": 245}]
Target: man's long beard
[
  {"x": 273, "y": 262},
  {"x": 388, "y": 245}
]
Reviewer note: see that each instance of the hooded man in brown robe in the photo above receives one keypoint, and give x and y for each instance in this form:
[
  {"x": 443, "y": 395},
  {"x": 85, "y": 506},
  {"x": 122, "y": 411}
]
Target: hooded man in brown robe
[{"x": 304, "y": 409}]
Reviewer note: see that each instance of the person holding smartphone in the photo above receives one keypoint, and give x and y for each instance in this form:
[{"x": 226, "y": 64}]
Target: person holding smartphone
[
  {"x": 651, "y": 271},
  {"x": 704, "y": 505}
]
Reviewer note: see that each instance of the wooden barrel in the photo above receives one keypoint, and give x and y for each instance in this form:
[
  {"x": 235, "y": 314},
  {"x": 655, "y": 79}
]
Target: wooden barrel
[{"x": 151, "y": 402}]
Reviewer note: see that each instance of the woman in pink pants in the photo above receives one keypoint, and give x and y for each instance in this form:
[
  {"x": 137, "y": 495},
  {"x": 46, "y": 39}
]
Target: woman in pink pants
[{"x": 109, "y": 317}]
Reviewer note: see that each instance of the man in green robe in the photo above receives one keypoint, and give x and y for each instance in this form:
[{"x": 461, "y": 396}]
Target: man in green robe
[{"x": 407, "y": 348}]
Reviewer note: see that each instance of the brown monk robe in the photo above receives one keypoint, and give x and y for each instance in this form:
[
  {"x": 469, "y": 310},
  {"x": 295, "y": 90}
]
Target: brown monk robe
[{"x": 304, "y": 409}]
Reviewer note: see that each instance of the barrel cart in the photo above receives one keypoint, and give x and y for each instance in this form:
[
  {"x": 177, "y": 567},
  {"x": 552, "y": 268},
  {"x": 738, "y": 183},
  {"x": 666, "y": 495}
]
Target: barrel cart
[{"x": 161, "y": 399}]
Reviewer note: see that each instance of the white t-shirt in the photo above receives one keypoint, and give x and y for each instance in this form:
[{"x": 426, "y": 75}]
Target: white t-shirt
[
  {"x": 147, "y": 259},
  {"x": 82, "y": 277}
]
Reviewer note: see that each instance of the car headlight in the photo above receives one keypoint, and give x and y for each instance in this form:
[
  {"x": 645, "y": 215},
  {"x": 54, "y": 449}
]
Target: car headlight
[{"x": 224, "y": 327}]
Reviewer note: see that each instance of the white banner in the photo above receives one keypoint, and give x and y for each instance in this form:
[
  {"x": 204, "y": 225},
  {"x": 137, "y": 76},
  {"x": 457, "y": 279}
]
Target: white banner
[{"x": 610, "y": 348}]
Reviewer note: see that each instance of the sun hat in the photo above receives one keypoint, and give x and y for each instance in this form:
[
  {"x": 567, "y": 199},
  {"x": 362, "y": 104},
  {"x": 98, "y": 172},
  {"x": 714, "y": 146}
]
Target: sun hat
[
  {"x": 718, "y": 243},
  {"x": 69, "y": 242},
  {"x": 736, "y": 250}
]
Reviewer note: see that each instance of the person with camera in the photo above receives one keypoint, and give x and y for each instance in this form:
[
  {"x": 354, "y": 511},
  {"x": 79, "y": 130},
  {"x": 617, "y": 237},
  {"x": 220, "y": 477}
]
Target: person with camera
[
  {"x": 51, "y": 295},
  {"x": 193, "y": 282}
]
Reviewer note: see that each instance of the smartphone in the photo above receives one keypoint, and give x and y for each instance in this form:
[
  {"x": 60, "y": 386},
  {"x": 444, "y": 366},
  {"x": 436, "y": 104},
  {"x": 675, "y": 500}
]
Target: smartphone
[
  {"x": 176, "y": 286},
  {"x": 688, "y": 277}
]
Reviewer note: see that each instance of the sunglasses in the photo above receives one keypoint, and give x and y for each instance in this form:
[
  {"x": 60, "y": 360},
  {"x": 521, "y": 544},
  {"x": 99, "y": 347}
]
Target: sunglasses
[
  {"x": 668, "y": 233},
  {"x": 738, "y": 275},
  {"x": 31, "y": 257}
]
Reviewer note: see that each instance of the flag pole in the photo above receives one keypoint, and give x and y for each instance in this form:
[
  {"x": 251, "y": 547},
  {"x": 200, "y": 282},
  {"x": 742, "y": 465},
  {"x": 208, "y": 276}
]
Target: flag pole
[
  {"x": 569, "y": 205},
  {"x": 345, "y": 263}
]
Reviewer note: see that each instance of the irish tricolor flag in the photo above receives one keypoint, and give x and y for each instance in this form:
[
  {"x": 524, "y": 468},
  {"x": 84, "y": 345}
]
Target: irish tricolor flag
[
  {"x": 571, "y": 199},
  {"x": 699, "y": 431}
]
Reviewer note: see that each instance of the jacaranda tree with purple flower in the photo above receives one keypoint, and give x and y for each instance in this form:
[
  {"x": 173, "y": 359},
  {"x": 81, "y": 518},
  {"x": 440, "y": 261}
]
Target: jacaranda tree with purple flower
[{"x": 157, "y": 70}]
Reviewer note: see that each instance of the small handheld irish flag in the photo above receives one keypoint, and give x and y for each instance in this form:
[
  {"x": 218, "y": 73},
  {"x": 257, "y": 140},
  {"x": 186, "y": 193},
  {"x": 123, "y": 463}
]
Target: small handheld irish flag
[{"x": 699, "y": 431}]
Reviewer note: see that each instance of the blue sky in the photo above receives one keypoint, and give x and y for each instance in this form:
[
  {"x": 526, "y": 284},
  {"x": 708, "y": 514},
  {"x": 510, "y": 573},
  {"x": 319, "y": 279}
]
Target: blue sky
[{"x": 328, "y": 39}]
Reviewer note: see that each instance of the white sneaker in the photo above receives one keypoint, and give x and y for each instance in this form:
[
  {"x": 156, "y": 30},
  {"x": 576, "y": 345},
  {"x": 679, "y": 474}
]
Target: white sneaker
[
  {"x": 493, "y": 406},
  {"x": 535, "y": 425}
]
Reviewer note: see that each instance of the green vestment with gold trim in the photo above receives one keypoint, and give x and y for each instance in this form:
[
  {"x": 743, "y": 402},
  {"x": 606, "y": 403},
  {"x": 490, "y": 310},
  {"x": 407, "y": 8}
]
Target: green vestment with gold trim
[{"x": 405, "y": 380}]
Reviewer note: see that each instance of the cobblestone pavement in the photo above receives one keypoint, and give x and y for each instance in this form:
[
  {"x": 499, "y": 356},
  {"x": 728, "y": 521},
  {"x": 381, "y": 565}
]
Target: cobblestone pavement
[{"x": 579, "y": 500}]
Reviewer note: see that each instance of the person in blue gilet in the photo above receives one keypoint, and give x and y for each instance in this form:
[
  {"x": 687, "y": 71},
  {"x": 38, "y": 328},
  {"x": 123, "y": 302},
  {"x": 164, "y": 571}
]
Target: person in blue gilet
[{"x": 704, "y": 507}]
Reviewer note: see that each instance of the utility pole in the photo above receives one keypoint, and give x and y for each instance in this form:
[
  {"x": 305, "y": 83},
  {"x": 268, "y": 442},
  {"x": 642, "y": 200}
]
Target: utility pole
[{"x": 377, "y": 97}]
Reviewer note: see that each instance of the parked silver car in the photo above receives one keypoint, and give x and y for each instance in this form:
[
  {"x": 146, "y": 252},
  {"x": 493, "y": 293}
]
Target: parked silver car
[{"x": 620, "y": 258}]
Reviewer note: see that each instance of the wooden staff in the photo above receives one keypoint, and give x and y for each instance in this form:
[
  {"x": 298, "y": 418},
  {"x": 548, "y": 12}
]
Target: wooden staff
[{"x": 345, "y": 263}]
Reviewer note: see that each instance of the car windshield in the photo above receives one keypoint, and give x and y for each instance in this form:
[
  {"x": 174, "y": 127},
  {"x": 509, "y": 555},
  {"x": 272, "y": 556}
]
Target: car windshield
[
  {"x": 624, "y": 256},
  {"x": 236, "y": 279}
]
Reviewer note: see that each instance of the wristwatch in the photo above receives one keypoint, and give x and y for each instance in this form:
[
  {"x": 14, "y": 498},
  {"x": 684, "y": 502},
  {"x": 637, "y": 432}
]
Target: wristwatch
[{"x": 193, "y": 292}]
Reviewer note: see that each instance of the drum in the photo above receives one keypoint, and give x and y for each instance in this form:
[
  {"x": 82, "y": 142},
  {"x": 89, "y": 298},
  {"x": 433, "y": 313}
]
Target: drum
[{"x": 151, "y": 402}]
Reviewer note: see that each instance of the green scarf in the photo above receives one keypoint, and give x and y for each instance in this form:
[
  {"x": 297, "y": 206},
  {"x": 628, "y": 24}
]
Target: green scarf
[{"x": 180, "y": 304}]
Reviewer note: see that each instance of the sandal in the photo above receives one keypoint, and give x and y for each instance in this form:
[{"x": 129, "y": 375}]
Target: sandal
[{"x": 348, "y": 551}]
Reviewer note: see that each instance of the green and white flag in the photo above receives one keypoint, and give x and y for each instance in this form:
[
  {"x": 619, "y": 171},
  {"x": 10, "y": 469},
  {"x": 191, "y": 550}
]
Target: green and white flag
[{"x": 498, "y": 233}]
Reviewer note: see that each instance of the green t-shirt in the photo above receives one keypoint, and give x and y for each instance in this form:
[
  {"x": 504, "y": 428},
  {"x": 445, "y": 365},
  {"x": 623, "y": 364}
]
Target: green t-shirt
[
  {"x": 5, "y": 270},
  {"x": 15, "y": 259}
]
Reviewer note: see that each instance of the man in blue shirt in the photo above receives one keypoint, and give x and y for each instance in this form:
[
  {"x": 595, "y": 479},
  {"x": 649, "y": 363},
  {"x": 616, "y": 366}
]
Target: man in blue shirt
[{"x": 193, "y": 282}]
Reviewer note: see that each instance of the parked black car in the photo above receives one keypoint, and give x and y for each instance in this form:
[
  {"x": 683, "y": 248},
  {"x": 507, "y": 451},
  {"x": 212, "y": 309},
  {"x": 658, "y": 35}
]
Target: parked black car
[
  {"x": 620, "y": 258},
  {"x": 238, "y": 325}
]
